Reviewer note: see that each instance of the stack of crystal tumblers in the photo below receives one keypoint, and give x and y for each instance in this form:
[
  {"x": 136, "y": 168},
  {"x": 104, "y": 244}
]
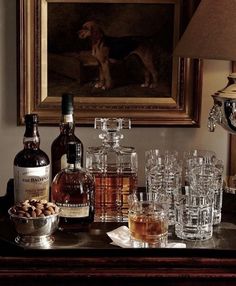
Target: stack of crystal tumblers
[{"x": 192, "y": 186}]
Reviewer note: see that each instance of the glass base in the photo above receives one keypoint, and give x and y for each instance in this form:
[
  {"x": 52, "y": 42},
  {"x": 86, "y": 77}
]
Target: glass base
[
  {"x": 160, "y": 243},
  {"x": 35, "y": 241},
  {"x": 193, "y": 233}
]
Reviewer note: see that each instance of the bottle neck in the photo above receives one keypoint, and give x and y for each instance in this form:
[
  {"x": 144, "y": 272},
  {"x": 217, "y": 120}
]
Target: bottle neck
[
  {"x": 111, "y": 139},
  {"x": 67, "y": 125},
  {"x": 31, "y": 138}
]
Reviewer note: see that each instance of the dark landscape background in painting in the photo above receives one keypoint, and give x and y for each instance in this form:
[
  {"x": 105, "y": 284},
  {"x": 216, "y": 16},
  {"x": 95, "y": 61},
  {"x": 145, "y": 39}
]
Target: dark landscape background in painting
[{"x": 71, "y": 66}]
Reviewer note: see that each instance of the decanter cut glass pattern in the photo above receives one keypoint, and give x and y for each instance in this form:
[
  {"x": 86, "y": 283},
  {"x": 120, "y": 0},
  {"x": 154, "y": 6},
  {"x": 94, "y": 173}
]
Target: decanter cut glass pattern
[{"x": 114, "y": 168}]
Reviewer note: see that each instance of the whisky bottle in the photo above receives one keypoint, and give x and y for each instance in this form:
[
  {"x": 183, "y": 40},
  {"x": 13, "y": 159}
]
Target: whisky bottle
[
  {"x": 67, "y": 128},
  {"x": 72, "y": 190},
  {"x": 114, "y": 168},
  {"x": 31, "y": 165}
]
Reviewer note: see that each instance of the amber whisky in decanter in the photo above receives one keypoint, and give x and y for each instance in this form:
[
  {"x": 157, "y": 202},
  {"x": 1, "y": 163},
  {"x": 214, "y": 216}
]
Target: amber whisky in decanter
[{"x": 114, "y": 168}]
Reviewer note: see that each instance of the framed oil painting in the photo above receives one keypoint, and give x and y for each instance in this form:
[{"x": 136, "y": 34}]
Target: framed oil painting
[{"x": 115, "y": 56}]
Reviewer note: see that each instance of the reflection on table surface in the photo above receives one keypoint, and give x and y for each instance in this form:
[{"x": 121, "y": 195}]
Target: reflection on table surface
[{"x": 96, "y": 236}]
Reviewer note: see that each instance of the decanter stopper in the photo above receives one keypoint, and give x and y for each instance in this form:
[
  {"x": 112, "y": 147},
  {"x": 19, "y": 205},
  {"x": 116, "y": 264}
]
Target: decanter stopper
[{"x": 112, "y": 124}]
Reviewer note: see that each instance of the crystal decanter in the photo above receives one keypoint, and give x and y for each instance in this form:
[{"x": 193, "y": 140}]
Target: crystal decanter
[{"x": 114, "y": 168}]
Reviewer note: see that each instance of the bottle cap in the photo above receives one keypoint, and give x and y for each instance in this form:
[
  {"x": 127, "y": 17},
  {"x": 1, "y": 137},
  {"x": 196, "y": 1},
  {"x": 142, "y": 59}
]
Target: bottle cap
[
  {"x": 67, "y": 103},
  {"x": 73, "y": 152},
  {"x": 31, "y": 118}
]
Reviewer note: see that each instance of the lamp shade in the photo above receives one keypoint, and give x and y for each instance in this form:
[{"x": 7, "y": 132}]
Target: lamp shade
[{"x": 211, "y": 33}]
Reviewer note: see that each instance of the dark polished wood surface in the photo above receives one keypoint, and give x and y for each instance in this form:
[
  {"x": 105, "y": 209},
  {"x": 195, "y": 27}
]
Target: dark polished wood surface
[{"x": 88, "y": 258}]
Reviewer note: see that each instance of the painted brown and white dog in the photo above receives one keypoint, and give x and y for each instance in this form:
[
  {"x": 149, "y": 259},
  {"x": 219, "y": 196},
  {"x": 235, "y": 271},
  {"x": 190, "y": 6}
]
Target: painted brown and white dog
[{"x": 108, "y": 50}]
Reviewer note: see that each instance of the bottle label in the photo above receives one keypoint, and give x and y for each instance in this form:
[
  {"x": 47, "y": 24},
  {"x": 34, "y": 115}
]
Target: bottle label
[
  {"x": 64, "y": 161},
  {"x": 73, "y": 210},
  {"x": 68, "y": 118},
  {"x": 31, "y": 183}
]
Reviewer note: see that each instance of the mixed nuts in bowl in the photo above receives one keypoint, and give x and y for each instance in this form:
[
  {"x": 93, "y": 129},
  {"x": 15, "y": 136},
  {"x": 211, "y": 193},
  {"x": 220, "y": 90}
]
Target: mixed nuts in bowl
[{"x": 35, "y": 221}]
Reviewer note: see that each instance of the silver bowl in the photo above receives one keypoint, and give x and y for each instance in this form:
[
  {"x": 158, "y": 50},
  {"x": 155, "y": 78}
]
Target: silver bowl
[{"x": 35, "y": 232}]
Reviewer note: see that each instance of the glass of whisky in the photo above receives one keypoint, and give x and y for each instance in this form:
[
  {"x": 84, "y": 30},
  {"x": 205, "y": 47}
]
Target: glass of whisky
[{"x": 148, "y": 221}]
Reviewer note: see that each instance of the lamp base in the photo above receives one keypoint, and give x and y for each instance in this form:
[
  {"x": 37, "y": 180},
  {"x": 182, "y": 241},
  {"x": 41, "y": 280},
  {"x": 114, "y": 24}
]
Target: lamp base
[{"x": 223, "y": 111}]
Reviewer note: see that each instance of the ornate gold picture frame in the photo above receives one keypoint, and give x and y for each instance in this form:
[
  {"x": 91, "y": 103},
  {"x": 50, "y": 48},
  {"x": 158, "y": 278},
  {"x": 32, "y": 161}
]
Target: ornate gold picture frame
[{"x": 52, "y": 59}]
